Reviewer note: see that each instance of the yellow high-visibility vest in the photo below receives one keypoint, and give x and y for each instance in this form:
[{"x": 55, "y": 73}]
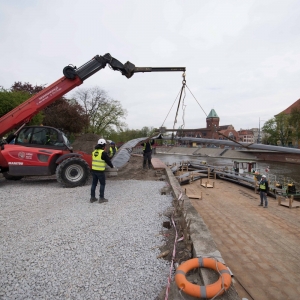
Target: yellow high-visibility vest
[
  {"x": 98, "y": 164},
  {"x": 262, "y": 186},
  {"x": 145, "y": 144},
  {"x": 112, "y": 151}
]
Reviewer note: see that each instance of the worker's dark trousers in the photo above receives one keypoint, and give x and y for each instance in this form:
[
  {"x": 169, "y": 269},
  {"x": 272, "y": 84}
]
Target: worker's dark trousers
[
  {"x": 98, "y": 176},
  {"x": 147, "y": 158},
  {"x": 263, "y": 196}
]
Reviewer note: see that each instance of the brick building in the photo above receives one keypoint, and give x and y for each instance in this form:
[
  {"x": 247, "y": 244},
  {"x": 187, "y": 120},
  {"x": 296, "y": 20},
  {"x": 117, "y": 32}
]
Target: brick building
[
  {"x": 246, "y": 135},
  {"x": 287, "y": 111},
  {"x": 213, "y": 130}
]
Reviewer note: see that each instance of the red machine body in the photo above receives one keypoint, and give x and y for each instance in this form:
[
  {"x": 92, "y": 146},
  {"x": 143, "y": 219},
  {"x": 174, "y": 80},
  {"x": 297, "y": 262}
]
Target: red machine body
[{"x": 43, "y": 150}]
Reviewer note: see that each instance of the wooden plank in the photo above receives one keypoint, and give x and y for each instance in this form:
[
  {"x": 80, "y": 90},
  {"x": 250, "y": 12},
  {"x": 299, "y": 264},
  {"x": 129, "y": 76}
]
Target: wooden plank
[
  {"x": 207, "y": 185},
  {"x": 194, "y": 196},
  {"x": 293, "y": 205},
  {"x": 193, "y": 193},
  {"x": 288, "y": 202}
]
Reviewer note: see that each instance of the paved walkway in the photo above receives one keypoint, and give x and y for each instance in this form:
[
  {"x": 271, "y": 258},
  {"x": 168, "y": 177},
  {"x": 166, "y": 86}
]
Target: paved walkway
[{"x": 260, "y": 245}]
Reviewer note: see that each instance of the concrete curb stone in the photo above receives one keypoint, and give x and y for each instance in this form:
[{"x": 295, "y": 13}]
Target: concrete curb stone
[{"x": 203, "y": 243}]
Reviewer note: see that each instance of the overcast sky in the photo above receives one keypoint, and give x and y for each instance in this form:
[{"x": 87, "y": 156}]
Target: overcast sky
[{"x": 242, "y": 57}]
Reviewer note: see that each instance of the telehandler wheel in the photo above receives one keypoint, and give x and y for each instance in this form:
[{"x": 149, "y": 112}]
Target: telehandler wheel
[
  {"x": 73, "y": 172},
  {"x": 11, "y": 177}
]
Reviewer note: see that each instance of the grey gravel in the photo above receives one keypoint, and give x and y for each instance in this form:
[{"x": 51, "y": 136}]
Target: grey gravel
[{"x": 55, "y": 244}]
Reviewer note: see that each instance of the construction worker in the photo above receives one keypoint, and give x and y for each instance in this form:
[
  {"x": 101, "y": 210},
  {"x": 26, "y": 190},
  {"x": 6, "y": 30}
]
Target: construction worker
[
  {"x": 51, "y": 138},
  {"x": 147, "y": 152},
  {"x": 99, "y": 160},
  {"x": 263, "y": 191},
  {"x": 112, "y": 150}
]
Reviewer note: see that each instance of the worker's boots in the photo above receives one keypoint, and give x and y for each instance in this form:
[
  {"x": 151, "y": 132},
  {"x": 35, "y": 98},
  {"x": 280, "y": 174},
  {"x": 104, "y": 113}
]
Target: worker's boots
[
  {"x": 102, "y": 200},
  {"x": 93, "y": 199}
]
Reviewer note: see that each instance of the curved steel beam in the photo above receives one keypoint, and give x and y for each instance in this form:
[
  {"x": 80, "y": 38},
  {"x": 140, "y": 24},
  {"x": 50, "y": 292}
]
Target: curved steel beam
[{"x": 242, "y": 144}]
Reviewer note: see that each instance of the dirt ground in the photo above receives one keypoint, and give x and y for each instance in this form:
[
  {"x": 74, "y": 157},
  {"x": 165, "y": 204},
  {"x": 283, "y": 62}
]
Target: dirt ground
[
  {"x": 134, "y": 170},
  {"x": 86, "y": 142}
]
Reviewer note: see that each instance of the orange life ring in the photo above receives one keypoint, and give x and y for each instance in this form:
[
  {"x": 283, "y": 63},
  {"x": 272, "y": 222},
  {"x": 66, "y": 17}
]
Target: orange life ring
[{"x": 206, "y": 291}]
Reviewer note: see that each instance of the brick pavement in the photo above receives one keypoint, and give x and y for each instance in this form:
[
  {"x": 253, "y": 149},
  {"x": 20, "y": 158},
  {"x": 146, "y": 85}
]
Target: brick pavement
[{"x": 260, "y": 245}]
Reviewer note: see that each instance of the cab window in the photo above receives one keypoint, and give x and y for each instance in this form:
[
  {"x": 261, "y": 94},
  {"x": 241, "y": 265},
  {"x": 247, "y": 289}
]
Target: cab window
[
  {"x": 24, "y": 136},
  {"x": 40, "y": 136}
]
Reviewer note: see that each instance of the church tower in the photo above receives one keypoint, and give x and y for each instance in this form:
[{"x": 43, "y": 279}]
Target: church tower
[{"x": 212, "y": 124}]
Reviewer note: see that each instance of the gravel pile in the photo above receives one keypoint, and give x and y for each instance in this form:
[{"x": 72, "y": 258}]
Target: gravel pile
[{"x": 55, "y": 244}]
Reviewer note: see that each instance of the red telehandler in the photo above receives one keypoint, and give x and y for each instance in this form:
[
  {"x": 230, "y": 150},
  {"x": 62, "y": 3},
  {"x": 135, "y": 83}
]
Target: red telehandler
[{"x": 44, "y": 150}]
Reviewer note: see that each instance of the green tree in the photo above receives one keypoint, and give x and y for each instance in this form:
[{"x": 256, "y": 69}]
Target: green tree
[
  {"x": 147, "y": 131},
  {"x": 18, "y": 86},
  {"x": 105, "y": 114},
  {"x": 11, "y": 99},
  {"x": 66, "y": 115},
  {"x": 284, "y": 129},
  {"x": 278, "y": 129},
  {"x": 270, "y": 131},
  {"x": 127, "y": 134}
]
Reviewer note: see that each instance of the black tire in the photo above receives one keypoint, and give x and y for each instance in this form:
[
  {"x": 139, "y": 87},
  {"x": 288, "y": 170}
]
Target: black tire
[
  {"x": 11, "y": 177},
  {"x": 73, "y": 172}
]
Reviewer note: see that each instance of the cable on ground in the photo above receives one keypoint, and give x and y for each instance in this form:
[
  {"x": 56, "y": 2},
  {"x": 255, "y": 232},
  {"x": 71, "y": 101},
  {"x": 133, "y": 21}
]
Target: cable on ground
[{"x": 173, "y": 254}]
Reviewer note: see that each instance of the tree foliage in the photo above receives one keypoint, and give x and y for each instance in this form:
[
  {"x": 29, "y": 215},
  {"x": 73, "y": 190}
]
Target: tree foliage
[
  {"x": 98, "y": 113},
  {"x": 278, "y": 130},
  {"x": 270, "y": 131},
  {"x": 105, "y": 114},
  {"x": 11, "y": 99},
  {"x": 66, "y": 115},
  {"x": 129, "y": 134},
  {"x": 284, "y": 129},
  {"x": 18, "y": 86}
]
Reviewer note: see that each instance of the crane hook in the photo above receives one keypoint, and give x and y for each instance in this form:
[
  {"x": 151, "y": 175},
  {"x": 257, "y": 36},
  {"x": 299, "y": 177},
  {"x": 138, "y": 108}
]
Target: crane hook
[{"x": 183, "y": 81}]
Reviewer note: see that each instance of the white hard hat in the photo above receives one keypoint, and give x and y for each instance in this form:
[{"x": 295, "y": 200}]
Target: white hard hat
[
  {"x": 264, "y": 176},
  {"x": 101, "y": 142}
]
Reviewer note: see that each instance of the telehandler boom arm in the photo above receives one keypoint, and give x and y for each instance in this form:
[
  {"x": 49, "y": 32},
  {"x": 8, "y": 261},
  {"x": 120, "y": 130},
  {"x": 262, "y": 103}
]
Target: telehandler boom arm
[{"x": 72, "y": 78}]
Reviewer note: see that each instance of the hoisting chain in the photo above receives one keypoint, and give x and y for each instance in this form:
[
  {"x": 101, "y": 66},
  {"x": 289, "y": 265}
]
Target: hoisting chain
[
  {"x": 180, "y": 97},
  {"x": 182, "y": 93},
  {"x": 183, "y": 81},
  {"x": 183, "y": 105}
]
